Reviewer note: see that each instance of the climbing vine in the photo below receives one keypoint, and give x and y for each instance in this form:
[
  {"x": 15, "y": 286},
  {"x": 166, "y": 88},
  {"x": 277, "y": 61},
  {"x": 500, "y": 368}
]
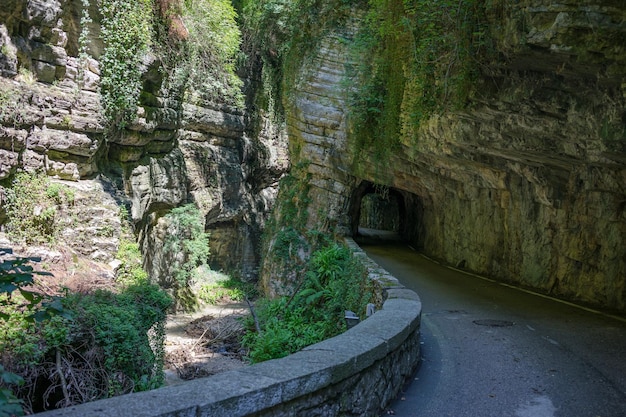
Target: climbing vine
[
  {"x": 282, "y": 32},
  {"x": 212, "y": 50},
  {"x": 413, "y": 59},
  {"x": 126, "y": 32}
]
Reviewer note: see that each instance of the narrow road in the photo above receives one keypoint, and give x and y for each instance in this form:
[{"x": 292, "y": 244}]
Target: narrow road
[{"x": 494, "y": 351}]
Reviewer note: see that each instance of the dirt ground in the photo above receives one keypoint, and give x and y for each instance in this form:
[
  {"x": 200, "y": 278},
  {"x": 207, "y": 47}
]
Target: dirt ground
[{"x": 204, "y": 343}]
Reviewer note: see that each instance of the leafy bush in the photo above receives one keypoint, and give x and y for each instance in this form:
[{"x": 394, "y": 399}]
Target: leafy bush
[
  {"x": 186, "y": 243},
  {"x": 17, "y": 313},
  {"x": 9, "y": 404},
  {"x": 77, "y": 348},
  {"x": 335, "y": 282},
  {"x": 109, "y": 344},
  {"x": 226, "y": 289},
  {"x": 33, "y": 202}
]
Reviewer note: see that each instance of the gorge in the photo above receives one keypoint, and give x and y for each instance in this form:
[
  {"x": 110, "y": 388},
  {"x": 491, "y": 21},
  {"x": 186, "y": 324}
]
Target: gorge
[{"x": 496, "y": 128}]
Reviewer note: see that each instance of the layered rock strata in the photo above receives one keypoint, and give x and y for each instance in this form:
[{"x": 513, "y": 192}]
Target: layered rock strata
[
  {"x": 527, "y": 184},
  {"x": 175, "y": 152}
]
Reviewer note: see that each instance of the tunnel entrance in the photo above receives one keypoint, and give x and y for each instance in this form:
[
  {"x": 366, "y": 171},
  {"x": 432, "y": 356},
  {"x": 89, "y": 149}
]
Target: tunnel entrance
[
  {"x": 380, "y": 211},
  {"x": 386, "y": 213}
]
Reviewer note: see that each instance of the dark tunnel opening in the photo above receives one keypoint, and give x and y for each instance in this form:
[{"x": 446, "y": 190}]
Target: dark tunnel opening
[{"x": 386, "y": 213}]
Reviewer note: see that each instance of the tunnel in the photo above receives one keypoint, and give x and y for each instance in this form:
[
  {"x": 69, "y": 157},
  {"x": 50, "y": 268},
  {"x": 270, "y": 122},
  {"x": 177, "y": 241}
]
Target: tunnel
[{"x": 381, "y": 212}]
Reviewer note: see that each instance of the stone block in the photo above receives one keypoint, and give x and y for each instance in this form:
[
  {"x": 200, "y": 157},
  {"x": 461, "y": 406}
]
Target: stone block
[
  {"x": 44, "y": 71},
  {"x": 43, "y": 140},
  {"x": 8, "y": 162}
]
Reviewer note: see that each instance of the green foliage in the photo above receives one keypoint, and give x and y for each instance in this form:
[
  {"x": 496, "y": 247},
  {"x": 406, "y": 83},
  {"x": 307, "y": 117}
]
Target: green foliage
[
  {"x": 32, "y": 205},
  {"x": 109, "y": 343},
  {"x": 285, "y": 329},
  {"x": 10, "y": 405},
  {"x": 226, "y": 289},
  {"x": 119, "y": 325},
  {"x": 294, "y": 198},
  {"x": 281, "y": 33},
  {"x": 285, "y": 234},
  {"x": 212, "y": 50},
  {"x": 291, "y": 212},
  {"x": 335, "y": 282},
  {"x": 186, "y": 242},
  {"x": 126, "y": 32},
  {"x": 15, "y": 274},
  {"x": 287, "y": 244},
  {"x": 284, "y": 26},
  {"x": 115, "y": 340},
  {"x": 450, "y": 38},
  {"x": 414, "y": 58},
  {"x": 130, "y": 272}
]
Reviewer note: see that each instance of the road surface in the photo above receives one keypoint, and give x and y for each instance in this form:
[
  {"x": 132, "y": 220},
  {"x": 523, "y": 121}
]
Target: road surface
[{"x": 494, "y": 351}]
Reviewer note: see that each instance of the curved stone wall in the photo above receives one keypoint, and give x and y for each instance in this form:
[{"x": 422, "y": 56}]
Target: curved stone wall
[{"x": 356, "y": 373}]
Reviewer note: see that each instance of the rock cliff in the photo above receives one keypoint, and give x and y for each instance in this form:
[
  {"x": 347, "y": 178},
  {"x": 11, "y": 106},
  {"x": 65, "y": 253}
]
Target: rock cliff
[
  {"x": 176, "y": 151},
  {"x": 526, "y": 183}
]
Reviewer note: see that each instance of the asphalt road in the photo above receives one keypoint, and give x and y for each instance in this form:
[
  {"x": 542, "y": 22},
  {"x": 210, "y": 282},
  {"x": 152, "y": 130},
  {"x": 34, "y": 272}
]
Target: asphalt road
[{"x": 494, "y": 351}]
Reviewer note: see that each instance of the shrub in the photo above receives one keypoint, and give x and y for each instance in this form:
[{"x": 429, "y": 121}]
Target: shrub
[
  {"x": 186, "y": 242},
  {"x": 110, "y": 345},
  {"x": 77, "y": 348},
  {"x": 335, "y": 281},
  {"x": 17, "y": 313}
]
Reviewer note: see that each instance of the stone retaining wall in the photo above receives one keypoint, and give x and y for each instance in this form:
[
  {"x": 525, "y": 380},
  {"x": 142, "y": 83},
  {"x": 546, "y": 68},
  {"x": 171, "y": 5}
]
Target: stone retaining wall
[{"x": 354, "y": 374}]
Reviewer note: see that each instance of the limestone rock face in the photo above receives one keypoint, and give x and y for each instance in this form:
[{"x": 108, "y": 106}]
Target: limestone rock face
[
  {"x": 175, "y": 152},
  {"x": 49, "y": 128},
  {"x": 527, "y": 184}
]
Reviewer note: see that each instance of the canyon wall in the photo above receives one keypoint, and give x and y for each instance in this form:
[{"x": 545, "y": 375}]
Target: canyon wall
[
  {"x": 176, "y": 151},
  {"x": 525, "y": 184}
]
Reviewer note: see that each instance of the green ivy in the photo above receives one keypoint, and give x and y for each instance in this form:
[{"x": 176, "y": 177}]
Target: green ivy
[
  {"x": 285, "y": 233},
  {"x": 213, "y": 48},
  {"x": 126, "y": 32},
  {"x": 283, "y": 32},
  {"x": 414, "y": 59}
]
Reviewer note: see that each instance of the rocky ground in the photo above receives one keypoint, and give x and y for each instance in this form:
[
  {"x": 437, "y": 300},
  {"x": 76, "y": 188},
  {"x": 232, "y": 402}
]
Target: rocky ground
[{"x": 204, "y": 343}]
